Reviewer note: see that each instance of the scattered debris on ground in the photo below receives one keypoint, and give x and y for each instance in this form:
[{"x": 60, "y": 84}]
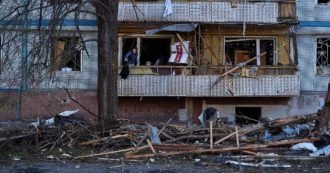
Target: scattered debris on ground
[{"x": 258, "y": 145}]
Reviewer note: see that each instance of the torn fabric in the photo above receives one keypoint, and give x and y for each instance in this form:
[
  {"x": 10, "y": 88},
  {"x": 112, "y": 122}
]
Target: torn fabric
[{"x": 168, "y": 8}]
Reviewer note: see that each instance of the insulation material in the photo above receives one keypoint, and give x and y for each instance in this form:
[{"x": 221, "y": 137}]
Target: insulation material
[{"x": 179, "y": 54}]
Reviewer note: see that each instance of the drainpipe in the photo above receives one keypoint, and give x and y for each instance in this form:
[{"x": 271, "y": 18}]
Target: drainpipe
[{"x": 24, "y": 80}]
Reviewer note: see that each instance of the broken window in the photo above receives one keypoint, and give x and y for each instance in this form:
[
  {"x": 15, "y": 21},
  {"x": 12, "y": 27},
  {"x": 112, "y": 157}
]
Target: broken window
[
  {"x": 67, "y": 54},
  {"x": 155, "y": 51},
  {"x": 323, "y": 1},
  {"x": 151, "y": 51},
  {"x": 238, "y": 50},
  {"x": 322, "y": 55},
  {"x": 247, "y": 115}
]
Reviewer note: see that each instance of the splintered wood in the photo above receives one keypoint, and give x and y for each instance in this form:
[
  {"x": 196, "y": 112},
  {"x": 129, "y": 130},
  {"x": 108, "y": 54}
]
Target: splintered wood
[{"x": 183, "y": 139}]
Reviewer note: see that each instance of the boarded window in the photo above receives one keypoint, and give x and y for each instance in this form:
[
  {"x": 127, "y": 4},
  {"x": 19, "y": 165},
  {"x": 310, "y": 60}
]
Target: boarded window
[
  {"x": 238, "y": 50},
  {"x": 67, "y": 54}
]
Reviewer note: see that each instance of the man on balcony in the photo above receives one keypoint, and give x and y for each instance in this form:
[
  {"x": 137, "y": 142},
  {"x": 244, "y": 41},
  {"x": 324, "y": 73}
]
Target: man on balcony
[{"x": 131, "y": 57}]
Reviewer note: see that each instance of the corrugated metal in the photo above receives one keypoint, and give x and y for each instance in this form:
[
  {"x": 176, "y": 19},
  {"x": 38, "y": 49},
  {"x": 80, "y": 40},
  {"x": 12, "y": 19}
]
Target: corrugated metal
[
  {"x": 200, "y": 12},
  {"x": 178, "y": 86},
  {"x": 199, "y": 86},
  {"x": 220, "y": 88},
  {"x": 154, "y": 85}
]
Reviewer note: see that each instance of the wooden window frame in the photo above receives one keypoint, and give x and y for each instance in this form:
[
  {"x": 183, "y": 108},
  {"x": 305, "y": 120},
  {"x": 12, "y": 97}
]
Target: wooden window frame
[{"x": 275, "y": 48}]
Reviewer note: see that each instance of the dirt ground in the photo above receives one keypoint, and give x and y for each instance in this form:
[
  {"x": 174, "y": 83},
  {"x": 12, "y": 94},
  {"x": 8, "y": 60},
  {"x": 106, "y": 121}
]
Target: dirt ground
[{"x": 202, "y": 164}]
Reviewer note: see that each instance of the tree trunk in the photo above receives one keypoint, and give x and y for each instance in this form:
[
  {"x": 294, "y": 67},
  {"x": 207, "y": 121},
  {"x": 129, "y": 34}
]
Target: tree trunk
[{"x": 107, "y": 11}]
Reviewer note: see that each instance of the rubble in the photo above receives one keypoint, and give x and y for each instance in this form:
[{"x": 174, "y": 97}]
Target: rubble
[{"x": 138, "y": 140}]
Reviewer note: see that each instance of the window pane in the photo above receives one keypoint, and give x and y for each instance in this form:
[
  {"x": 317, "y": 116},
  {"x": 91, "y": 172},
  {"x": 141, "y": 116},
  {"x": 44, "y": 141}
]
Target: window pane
[
  {"x": 267, "y": 46},
  {"x": 239, "y": 50}
]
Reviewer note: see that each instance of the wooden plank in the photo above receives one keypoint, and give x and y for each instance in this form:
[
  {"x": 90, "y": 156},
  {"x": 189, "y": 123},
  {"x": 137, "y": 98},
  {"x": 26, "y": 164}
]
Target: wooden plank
[
  {"x": 150, "y": 146},
  {"x": 185, "y": 48},
  {"x": 237, "y": 137},
  {"x": 112, "y": 152},
  {"x": 222, "y": 150},
  {"x": 211, "y": 134},
  {"x": 223, "y": 139}
]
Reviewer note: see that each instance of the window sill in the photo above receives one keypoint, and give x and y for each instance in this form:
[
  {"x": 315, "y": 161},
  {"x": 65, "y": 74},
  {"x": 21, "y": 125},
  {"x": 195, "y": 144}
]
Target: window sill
[{"x": 68, "y": 72}]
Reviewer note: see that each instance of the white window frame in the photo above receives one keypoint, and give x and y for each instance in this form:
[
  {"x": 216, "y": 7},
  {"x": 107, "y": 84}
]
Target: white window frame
[
  {"x": 257, "y": 38},
  {"x": 138, "y": 44},
  {"x": 81, "y": 59}
]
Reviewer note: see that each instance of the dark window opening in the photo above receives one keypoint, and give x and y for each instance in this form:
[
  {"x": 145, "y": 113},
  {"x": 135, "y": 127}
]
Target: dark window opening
[
  {"x": 128, "y": 45},
  {"x": 322, "y": 52},
  {"x": 67, "y": 55},
  {"x": 323, "y": 1},
  {"x": 63, "y": 1},
  {"x": 155, "y": 51},
  {"x": 239, "y": 50},
  {"x": 247, "y": 115},
  {"x": 267, "y": 46}
]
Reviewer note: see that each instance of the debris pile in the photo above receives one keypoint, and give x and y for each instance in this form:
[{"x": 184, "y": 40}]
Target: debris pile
[{"x": 292, "y": 137}]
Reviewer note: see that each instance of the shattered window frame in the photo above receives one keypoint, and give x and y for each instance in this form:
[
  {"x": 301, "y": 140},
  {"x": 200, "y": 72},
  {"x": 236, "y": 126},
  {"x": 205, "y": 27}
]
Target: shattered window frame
[
  {"x": 254, "y": 38},
  {"x": 139, "y": 38},
  {"x": 59, "y": 65}
]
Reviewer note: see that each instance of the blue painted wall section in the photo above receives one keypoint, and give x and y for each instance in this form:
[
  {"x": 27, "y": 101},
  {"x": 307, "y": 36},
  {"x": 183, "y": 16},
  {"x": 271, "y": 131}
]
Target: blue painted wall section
[
  {"x": 314, "y": 23},
  {"x": 46, "y": 22}
]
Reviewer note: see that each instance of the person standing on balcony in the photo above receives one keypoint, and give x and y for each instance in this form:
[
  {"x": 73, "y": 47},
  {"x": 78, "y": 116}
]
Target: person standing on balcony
[{"x": 131, "y": 57}]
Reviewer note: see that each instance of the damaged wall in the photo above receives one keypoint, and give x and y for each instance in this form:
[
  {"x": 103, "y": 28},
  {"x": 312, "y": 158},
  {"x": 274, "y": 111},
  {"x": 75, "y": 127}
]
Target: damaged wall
[
  {"x": 314, "y": 22},
  {"x": 304, "y": 104}
]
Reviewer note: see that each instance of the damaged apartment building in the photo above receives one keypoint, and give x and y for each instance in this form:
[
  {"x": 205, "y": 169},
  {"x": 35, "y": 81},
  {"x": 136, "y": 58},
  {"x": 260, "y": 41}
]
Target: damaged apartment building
[
  {"x": 240, "y": 57},
  {"x": 313, "y": 40}
]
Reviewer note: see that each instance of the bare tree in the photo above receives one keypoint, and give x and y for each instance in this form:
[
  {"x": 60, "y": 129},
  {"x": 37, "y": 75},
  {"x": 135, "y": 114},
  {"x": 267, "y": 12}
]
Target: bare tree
[{"x": 29, "y": 32}]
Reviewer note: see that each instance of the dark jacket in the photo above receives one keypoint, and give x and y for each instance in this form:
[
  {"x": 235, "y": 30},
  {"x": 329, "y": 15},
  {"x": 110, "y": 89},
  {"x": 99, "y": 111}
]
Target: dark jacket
[{"x": 131, "y": 58}]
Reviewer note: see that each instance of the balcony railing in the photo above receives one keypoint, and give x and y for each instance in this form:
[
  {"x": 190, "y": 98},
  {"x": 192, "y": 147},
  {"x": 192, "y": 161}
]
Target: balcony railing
[
  {"x": 207, "y": 70},
  {"x": 271, "y": 81},
  {"x": 207, "y": 11}
]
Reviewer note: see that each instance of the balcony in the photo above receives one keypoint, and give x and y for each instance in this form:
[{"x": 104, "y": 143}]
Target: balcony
[
  {"x": 186, "y": 82},
  {"x": 269, "y": 12}
]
